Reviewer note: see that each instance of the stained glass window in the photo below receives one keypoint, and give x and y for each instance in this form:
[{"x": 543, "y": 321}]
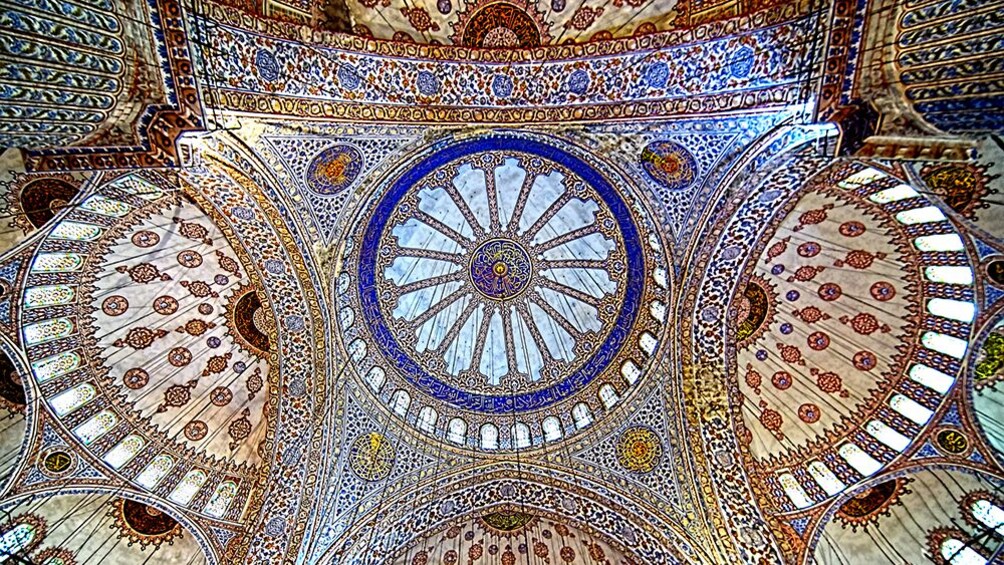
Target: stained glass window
[
  {"x": 489, "y": 437},
  {"x": 188, "y": 487},
  {"x": 858, "y": 459},
  {"x": 73, "y": 398},
  {"x": 97, "y": 426},
  {"x": 949, "y": 275},
  {"x": 124, "y": 451},
  {"x": 400, "y": 402},
  {"x": 825, "y": 478},
  {"x": 51, "y": 295},
  {"x": 946, "y": 344},
  {"x": 521, "y": 435},
  {"x": 886, "y": 435},
  {"x": 608, "y": 396},
  {"x": 794, "y": 491},
  {"x": 427, "y": 417},
  {"x": 910, "y": 409},
  {"x": 55, "y": 366},
  {"x": 56, "y": 262},
  {"x": 630, "y": 371},
  {"x": 920, "y": 215},
  {"x": 76, "y": 231},
  {"x": 16, "y": 539},
  {"x": 357, "y": 350},
  {"x": 221, "y": 499},
  {"x": 457, "y": 431},
  {"x": 581, "y": 416},
  {"x": 105, "y": 206},
  {"x": 48, "y": 330},
  {"x": 155, "y": 471},
  {"x": 376, "y": 377},
  {"x": 940, "y": 242},
  {"x": 956, "y": 552},
  {"x": 952, "y": 309},
  {"x": 893, "y": 194},
  {"x": 988, "y": 514},
  {"x": 552, "y": 428}
]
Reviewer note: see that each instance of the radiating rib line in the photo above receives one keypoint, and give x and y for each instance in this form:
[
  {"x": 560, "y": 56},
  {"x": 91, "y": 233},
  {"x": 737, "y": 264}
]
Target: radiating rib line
[
  {"x": 574, "y": 293},
  {"x": 431, "y": 281},
  {"x": 598, "y": 264},
  {"x": 435, "y": 224},
  {"x": 465, "y": 210},
  {"x": 524, "y": 195},
  {"x": 549, "y": 213},
  {"x": 460, "y": 322},
  {"x": 523, "y": 310},
  {"x": 479, "y": 343},
  {"x": 456, "y": 259},
  {"x": 558, "y": 318},
  {"x": 510, "y": 349},
  {"x": 494, "y": 226},
  {"x": 434, "y": 309},
  {"x": 573, "y": 235}
]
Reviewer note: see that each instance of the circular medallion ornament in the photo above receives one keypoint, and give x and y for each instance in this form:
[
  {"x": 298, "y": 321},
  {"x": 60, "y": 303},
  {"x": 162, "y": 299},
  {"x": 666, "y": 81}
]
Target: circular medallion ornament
[
  {"x": 500, "y": 269},
  {"x": 334, "y": 169},
  {"x": 669, "y": 164},
  {"x": 995, "y": 271},
  {"x": 639, "y": 450},
  {"x": 500, "y": 25},
  {"x": 371, "y": 457},
  {"x": 494, "y": 276},
  {"x": 952, "y": 441},
  {"x": 57, "y": 463},
  {"x": 144, "y": 524}
]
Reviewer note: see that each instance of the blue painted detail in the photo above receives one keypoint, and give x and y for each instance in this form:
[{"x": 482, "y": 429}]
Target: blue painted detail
[
  {"x": 657, "y": 74},
  {"x": 951, "y": 417},
  {"x": 348, "y": 78},
  {"x": 502, "y": 86},
  {"x": 926, "y": 451},
  {"x": 741, "y": 62},
  {"x": 428, "y": 83},
  {"x": 800, "y": 524},
  {"x": 977, "y": 457},
  {"x": 430, "y": 384},
  {"x": 984, "y": 250},
  {"x": 992, "y": 296},
  {"x": 268, "y": 68},
  {"x": 578, "y": 82}
]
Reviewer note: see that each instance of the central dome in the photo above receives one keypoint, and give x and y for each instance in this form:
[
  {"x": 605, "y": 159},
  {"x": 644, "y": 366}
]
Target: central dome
[{"x": 494, "y": 278}]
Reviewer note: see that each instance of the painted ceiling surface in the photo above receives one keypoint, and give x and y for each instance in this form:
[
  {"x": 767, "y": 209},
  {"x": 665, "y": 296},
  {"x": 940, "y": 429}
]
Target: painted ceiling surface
[{"x": 502, "y": 282}]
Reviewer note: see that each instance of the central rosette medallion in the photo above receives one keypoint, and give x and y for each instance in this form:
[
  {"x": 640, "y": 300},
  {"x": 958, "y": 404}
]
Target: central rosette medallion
[
  {"x": 494, "y": 277},
  {"x": 500, "y": 269}
]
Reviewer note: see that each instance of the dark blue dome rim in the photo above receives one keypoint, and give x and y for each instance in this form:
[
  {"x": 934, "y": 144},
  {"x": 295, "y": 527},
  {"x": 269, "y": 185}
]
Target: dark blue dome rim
[{"x": 429, "y": 384}]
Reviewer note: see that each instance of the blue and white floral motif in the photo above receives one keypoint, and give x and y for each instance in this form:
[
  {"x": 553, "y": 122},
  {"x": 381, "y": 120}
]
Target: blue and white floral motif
[
  {"x": 268, "y": 68},
  {"x": 578, "y": 82},
  {"x": 502, "y": 86},
  {"x": 428, "y": 83},
  {"x": 348, "y": 78},
  {"x": 741, "y": 62},
  {"x": 657, "y": 74}
]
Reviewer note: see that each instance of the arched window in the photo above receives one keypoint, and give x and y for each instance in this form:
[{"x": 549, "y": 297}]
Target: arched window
[
  {"x": 457, "y": 432},
  {"x": 949, "y": 275},
  {"x": 124, "y": 451},
  {"x": 427, "y": 417},
  {"x": 489, "y": 437},
  {"x": 357, "y": 350},
  {"x": 931, "y": 378},
  {"x": 72, "y": 398},
  {"x": 630, "y": 372},
  {"x": 400, "y": 402},
  {"x": 608, "y": 396},
  {"x": 949, "y": 345},
  {"x": 888, "y": 436},
  {"x": 952, "y": 309},
  {"x": 21, "y": 535},
  {"x": 825, "y": 478},
  {"x": 794, "y": 491},
  {"x": 221, "y": 499},
  {"x": 956, "y": 552},
  {"x": 97, "y": 426},
  {"x": 188, "y": 487},
  {"x": 521, "y": 435},
  {"x": 987, "y": 512},
  {"x": 376, "y": 377},
  {"x": 552, "y": 428},
  {"x": 581, "y": 416},
  {"x": 858, "y": 459},
  {"x": 910, "y": 409},
  {"x": 155, "y": 471},
  {"x": 55, "y": 366}
]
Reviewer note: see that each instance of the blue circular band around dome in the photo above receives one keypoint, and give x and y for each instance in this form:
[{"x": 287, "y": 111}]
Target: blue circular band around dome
[{"x": 496, "y": 404}]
